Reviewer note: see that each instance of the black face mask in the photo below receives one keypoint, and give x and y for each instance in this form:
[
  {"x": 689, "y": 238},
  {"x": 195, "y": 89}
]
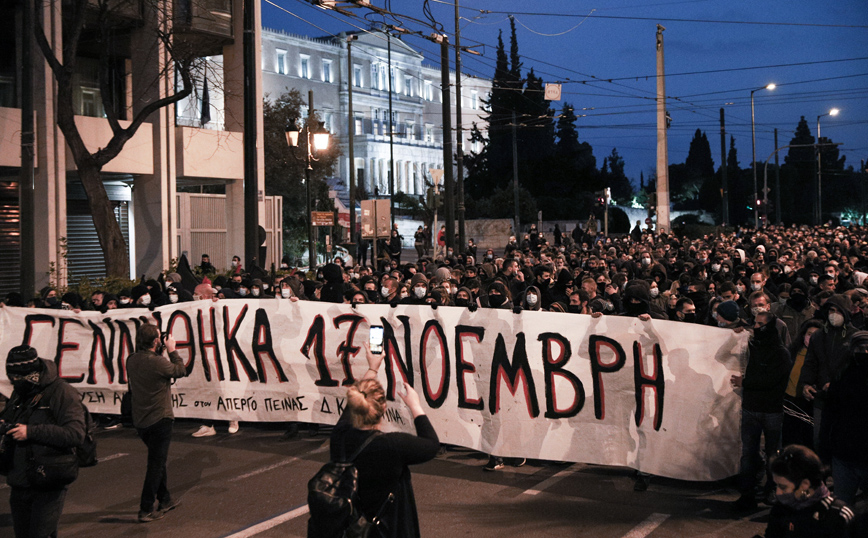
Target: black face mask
[
  {"x": 496, "y": 300},
  {"x": 635, "y": 309},
  {"x": 372, "y": 295},
  {"x": 574, "y": 309},
  {"x": 690, "y": 318},
  {"x": 462, "y": 302},
  {"x": 798, "y": 301}
]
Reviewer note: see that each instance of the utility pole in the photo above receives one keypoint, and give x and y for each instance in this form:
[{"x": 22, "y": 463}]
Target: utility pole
[
  {"x": 662, "y": 142},
  {"x": 311, "y": 241},
  {"x": 777, "y": 183},
  {"x": 448, "y": 179},
  {"x": 26, "y": 178},
  {"x": 459, "y": 138},
  {"x": 724, "y": 187},
  {"x": 351, "y": 126},
  {"x": 251, "y": 169},
  {"x": 517, "y": 230}
]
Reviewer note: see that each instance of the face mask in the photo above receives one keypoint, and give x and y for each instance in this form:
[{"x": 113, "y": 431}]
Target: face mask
[
  {"x": 690, "y": 318},
  {"x": 285, "y": 293},
  {"x": 462, "y": 302},
  {"x": 722, "y": 323},
  {"x": 173, "y": 298},
  {"x": 756, "y": 286},
  {"x": 655, "y": 292},
  {"x": 496, "y": 300},
  {"x": 740, "y": 289},
  {"x": 420, "y": 292},
  {"x": 836, "y": 319},
  {"x": 757, "y": 310},
  {"x": 814, "y": 280},
  {"x": 574, "y": 309},
  {"x": 372, "y": 295},
  {"x": 242, "y": 292},
  {"x": 404, "y": 295},
  {"x": 51, "y": 301},
  {"x": 531, "y": 300},
  {"x": 146, "y": 300},
  {"x": 234, "y": 263},
  {"x": 255, "y": 292},
  {"x": 125, "y": 301},
  {"x": 646, "y": 261},
  {"x": 715, "y": 267}
]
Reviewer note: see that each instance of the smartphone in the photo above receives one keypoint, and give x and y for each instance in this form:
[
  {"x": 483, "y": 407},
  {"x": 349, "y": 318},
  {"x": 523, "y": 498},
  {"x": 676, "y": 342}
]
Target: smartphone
[{"x": 376, "y": 339}]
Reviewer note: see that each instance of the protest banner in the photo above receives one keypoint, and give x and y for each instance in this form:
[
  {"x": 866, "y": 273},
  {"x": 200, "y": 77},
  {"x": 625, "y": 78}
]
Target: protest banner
[{"x": 650, "y": 395}]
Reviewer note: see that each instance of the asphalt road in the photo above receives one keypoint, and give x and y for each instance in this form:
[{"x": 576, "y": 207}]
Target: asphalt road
[{"x": 253, "y": 484}]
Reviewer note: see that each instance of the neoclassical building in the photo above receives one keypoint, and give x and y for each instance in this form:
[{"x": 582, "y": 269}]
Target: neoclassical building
[{"x": 320, "y": 64}]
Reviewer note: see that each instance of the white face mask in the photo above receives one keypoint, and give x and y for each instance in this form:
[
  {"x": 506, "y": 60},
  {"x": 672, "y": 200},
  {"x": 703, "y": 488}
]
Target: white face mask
[
  {"x": 655, "y": 292},
  {"x": 836, "y": 319},
  {"x": 125, "y": 301},
  {"x": 420, "y": 292},
  {"x": 242, "y": 292},
  {"x": 234, "y": 263},
  {"x": 173, "y": 298},
  {"x": 756, "y": 286},
  {"x": 531, "y": 300},
  {"x": 814, "y": 280},
  {"x": 740, "y": 289},
  {"x": 404, "y": 295},
  {"x": 715, "y": 267},
  {"x": 384, "y": 291},
  {"x": 646, "y": 261},
  {"x": 285, "y": 293},
  {"x": 146, "y": 299},
  {"x": 255, "y": 292},
  {"x": 787, "y": 269}
]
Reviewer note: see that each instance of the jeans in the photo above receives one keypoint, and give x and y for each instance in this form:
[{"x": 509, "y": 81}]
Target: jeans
[
  {"x": 848, "y": 478},
  {"x": 157, "y": 438},
  {"x": 36, "y": 513},
  {"x": 753, "y": 426}
]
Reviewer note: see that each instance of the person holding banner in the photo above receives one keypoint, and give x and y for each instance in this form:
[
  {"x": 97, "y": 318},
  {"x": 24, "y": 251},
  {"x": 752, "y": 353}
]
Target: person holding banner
[{"x": 385, "y": 490}]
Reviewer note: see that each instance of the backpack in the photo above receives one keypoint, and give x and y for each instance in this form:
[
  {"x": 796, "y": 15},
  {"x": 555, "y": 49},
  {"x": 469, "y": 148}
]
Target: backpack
[
  {"x": 85, "y": 453},
  {"x": 332, "y": 497}
]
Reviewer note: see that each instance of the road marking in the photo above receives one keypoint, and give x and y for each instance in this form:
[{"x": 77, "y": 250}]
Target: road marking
[
  {"x": 554, "y": 479},
  {"x": 264, "y": 469},
  {"x": 647, "y": 527},
  {"x": 269, "y": 523},
  {"x": 113, "y": 457}
]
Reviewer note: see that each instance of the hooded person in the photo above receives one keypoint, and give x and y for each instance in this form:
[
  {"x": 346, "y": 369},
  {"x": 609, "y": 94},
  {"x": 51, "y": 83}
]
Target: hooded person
[
  {"x": 418, "y": 290},
  {"x": 333, "y": 288},
  {"x": 531, "y": 299},
  {"x": 827, "y": 356},
  {"x": 497, "y": 296},
  {"x": 797, "y": 309},
  {"x": 312, "y": 289},
  {"x": 637, "y": 300},
  {"x": 141, "y": 297}
]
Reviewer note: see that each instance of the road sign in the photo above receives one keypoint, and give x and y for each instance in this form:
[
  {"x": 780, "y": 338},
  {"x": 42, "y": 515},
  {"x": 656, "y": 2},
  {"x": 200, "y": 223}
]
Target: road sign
[
  {"x": 322, "y": 218},
  {"x": 376, "y": 213},
  {"x": 553, "y": 92}
]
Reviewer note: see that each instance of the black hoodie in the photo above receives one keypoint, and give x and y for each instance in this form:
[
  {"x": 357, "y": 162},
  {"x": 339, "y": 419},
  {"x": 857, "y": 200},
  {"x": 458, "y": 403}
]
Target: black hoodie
[
  {"x": 767, "y": 372},
  {"x": 829, "y": 349}
]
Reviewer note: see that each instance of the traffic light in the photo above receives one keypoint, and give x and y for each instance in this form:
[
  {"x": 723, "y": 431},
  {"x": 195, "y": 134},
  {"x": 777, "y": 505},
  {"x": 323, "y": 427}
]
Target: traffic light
[{"x": 433, "y": 199}]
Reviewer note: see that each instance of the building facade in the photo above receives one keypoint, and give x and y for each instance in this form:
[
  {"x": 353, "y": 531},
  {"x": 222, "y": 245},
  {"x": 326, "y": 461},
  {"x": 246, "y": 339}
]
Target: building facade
[
  {"x": 321, "y": 64},
  {"x": 165, "y": 156}
]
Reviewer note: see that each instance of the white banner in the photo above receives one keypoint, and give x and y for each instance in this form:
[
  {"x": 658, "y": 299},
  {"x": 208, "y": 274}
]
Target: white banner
[{"x": 651, "y": 395}]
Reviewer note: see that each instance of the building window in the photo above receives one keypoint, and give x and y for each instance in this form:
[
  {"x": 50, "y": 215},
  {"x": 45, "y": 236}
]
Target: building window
[
  {"x": 428, "y": 91},
  {"x": 383, "y": 84},
  {"x": 408, "y": 86},
  {"x": 280, "y": 68},
  {"x": 394, "y": 80},
  {"x": 375, "y": 76},
  {"x": 474, "y": 99},
  {"x": 429, "y": 133},
  {"x": 329, "y": 122},
  {"x": 327, "y": 71},
  {"x": 411, "y": 132},
  {"x": 357, "y": 76},
  {"x": 304, "y": 66},
  {"x": 359, "y": 126}
]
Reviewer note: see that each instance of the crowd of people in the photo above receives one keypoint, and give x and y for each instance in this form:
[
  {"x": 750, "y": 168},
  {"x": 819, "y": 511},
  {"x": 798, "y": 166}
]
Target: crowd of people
[{"x": 800, "y": 292}]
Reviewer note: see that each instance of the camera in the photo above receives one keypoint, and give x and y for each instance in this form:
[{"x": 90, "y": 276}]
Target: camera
[{"x": 5, "y": 427}]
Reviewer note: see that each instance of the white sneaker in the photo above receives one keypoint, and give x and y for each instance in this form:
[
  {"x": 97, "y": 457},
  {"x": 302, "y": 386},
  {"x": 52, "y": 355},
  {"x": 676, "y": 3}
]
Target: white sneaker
[
  {"x": 233, "y": 426},
  {"x": 205, "y": 431}
]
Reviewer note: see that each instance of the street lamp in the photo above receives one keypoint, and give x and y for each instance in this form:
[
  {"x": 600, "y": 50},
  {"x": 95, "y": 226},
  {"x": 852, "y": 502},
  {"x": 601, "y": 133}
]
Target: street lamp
[
  {"x": 320, "y": 143},
  {"x": 833, "y": 112},
  {"x": 753, "y": 158}
]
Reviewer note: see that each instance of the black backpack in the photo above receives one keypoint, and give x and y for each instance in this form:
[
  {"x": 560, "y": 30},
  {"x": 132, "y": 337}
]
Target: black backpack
[
  {"x": 85, "y": 453},
  {"x": 332, "y": 497}
]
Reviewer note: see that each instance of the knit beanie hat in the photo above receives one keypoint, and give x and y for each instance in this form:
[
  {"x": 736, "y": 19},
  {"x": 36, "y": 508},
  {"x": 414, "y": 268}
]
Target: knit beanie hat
[
  {"x": 22, "y": 360},
  {"x": 728, "y": 310},
  {"x": 418, "y": 278}
]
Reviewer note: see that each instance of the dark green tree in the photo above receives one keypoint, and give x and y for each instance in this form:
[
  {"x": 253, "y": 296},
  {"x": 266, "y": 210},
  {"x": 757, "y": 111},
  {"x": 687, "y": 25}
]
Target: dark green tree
[
  {"x": 620, "y": 185},
  {"x": 799, "y": 176},
  {"x": 575, "y": 169}
]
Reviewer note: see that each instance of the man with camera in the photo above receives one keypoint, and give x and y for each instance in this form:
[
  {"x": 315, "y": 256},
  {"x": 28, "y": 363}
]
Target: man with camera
[
  {"x": 150, "y": 382},
  {"x": 43, "y": 422}
]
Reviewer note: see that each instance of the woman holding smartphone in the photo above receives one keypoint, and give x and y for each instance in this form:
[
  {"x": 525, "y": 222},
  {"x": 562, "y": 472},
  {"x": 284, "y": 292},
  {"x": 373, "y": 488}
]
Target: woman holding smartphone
[{"x": 385, "y": 490}]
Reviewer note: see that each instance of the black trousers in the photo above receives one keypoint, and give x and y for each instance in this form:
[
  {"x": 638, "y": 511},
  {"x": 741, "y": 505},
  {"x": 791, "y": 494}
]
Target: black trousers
[
  {"x": 36, "y": 513},
  {"x": 157, "y": 438}
]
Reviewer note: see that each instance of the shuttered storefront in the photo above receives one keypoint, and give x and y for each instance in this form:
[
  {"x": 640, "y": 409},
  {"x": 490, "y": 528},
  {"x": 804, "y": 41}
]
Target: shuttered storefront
[{"x": 84, "y": 255}]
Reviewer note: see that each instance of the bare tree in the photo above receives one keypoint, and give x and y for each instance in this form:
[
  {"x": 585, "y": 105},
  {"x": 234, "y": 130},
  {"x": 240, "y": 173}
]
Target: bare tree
[{"x": 97, "y": 17}]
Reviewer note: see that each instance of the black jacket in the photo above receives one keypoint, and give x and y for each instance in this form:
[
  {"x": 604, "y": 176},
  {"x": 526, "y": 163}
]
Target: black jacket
[
  {"x": 829, "y": 518},
  {"x": 844, "y": 427},
  {"x": 767, "y": 372},
  {"x": 55, "y": 426}
]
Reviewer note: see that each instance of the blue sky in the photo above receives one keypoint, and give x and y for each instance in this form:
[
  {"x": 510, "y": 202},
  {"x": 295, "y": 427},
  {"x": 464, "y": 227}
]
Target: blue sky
[{"x": 716, "y": 53}]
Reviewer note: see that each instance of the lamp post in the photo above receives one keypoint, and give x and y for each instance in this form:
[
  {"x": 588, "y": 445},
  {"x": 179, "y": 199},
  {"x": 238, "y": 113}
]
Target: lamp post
[
  {"x": 320, "y": 143},
  {"x": 833, "y": 112},
  {"x": 753, "y": 153},
  {"x": 351, "y": 126}
]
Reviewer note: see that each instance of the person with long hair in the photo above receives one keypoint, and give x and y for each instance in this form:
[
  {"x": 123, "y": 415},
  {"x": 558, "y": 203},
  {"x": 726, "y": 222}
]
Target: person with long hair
[
  {"x": 798, "y": 425},
  {"x": 385, "y": 489},
  {"x": 804, "y": 506}
]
